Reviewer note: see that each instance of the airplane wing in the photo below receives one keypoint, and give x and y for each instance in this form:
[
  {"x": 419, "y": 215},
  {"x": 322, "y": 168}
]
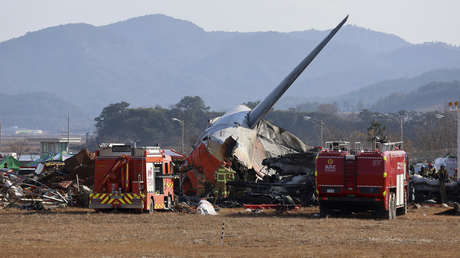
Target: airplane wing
[{"x": 263, "y": 107}]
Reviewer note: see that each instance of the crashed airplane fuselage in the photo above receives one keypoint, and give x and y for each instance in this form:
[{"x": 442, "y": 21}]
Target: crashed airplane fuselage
[{"x": 243, "y": 137}]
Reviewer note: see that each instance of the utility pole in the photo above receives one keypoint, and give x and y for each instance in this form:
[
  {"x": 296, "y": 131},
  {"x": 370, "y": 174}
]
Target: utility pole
[
  {"x": 183, "y": 135},
  {"x": 321, "y": 133},
  {"x": 321, "y": 127},
  {"x": 402, "y": 131},
  {"x": 455, "y": 108},
  {"x": 183, "y": 132},
  {"x": 68, "y": 132},
  {"x": 458, "y": 142}
]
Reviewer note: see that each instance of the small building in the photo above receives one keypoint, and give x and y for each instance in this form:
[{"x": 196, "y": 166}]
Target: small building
[{"x": 56, "y": 145}]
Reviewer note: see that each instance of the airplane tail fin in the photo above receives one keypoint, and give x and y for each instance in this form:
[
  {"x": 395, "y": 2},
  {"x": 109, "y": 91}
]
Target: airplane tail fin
[{"x": 263, "y": 107}]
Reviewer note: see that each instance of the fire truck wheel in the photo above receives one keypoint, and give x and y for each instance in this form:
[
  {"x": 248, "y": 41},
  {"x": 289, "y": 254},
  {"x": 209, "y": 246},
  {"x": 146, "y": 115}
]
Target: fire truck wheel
[
  {"x": 151, "y": 206},
  {"x": 388, "y": 214},
  {"x": 323, "y": 210}
]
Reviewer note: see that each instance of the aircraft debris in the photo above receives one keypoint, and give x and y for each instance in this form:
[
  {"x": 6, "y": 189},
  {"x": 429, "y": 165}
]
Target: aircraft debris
[
  {"x": 426, "y": 188},
  {"x": 243, "y": 138},
  {"x": 184, "y": 207},
  {"x": 289, "y": 182},
  {"x": 205, "y": 208},
  {"x": 457, "y": 208}
]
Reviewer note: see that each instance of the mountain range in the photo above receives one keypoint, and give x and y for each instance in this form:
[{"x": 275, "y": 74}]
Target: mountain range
[
  {"x": 156, "y": 60},
  {"x": 39, "y": 110},
  {"x": 432, "y": 96},
  {"x": 369, "y": 95}
]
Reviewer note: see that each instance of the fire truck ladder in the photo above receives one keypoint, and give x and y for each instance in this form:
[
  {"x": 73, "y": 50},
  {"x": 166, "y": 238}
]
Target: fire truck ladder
[
  {"x": 349, "y": 173},
  {"x": 120, "y": 162}
]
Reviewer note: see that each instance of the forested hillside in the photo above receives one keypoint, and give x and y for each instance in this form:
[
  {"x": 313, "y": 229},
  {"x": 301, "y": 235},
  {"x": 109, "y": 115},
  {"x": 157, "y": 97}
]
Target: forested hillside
[{"x": 430, "y": 132}]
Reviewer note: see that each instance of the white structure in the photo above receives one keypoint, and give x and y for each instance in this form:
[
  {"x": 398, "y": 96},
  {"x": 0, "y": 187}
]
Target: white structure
[
  {"x": 28, "y": 132},
  {"x": 6, "y": 154},
  {"x": 56, "y": 145},
  {"x": 450, "y": 163},
  {"x": 205, "y": 208}
]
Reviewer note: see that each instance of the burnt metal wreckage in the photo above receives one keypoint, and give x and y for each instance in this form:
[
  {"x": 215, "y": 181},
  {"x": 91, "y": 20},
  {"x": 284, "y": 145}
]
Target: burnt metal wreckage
[
  {"x": 289, "y": 183},
  {"x": 424, "y": 189},
  {"x": 242, "y": 141},
  {"x": 427, "y": 191},
  {"x": 425, "y": 181}
]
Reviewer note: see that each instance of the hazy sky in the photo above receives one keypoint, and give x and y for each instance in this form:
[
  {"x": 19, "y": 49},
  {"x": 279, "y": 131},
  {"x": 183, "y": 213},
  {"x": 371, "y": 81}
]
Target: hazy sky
[{"x": 414, "y": 20}]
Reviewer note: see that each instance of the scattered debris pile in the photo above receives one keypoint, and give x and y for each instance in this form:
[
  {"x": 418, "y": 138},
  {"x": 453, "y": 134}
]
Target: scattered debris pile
[
  {"x": 52, "y": 186},
  {"x": 81, "y": 165},
  {"x": 289, "y": 182},
  {"x": 456, "y": 208},
  {"x": 24, "y": 192},
  {"x": 428, "y": 188},
  {"x": 184, "y": 207}
]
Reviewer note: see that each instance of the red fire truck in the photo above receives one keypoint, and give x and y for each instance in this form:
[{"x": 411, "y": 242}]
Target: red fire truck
[
  {"x": 138, "y": 178},
  {"x": 355, "y": 180}
]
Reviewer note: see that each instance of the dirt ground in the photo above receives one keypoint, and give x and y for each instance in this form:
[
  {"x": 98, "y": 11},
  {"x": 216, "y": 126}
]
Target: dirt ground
[{"x": 424, "y": 232}]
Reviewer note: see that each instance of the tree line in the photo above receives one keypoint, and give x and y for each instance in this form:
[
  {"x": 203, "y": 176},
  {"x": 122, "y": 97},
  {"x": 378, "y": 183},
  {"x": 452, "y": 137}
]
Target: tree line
[
  {"x": 153, "y": 125},
  {"x": 426, "y": 134}
]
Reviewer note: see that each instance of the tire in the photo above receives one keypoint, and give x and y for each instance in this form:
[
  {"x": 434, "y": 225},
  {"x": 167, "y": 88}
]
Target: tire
[
  {"x": 391, "y": 212},
  {"x": 346, "y": 212},
  {"x": 323, "y": 210},
  {"x": 151, "y": 206}
]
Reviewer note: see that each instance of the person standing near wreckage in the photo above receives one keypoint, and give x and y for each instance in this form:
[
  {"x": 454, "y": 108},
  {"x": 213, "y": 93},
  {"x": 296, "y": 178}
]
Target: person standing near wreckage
[
  {"x": 431, "y": 171},
  {"x": 423, "y": 171},
  {"x": 443, "y": 177},
  {"x": 223, "y": 175}
]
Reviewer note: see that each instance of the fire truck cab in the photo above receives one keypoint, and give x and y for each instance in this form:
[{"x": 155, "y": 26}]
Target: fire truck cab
[
  {"x": 139, "y": 178},
  {"x": 355, "y": 180}
]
